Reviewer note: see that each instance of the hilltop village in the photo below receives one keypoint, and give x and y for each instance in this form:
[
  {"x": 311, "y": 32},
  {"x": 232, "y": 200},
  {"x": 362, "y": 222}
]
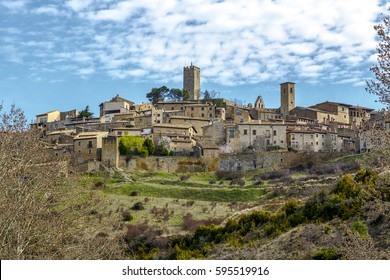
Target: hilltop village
[{"x": 206, "y": 128}]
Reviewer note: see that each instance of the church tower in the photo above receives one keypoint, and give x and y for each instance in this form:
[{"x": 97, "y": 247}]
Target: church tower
[
  {"x": 191, "y": 81},
  {"x": 287, "y": 98}
]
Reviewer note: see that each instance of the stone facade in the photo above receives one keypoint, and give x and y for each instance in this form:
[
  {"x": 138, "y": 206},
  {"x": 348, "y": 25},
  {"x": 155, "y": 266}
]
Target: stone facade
[
  {"x": 88, "y": 145},
  {"x": 262, "y": 134},
  {"x": 116, "y": 105},
  {"x": 287, "y": 98},
  {"x": 110, "y": 151},
  {"x": 191, "y": 81},
  {"x": 197, "y": 123}
]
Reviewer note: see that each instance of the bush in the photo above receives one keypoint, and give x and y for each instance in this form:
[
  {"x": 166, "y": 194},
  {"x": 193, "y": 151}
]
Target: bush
[
  {"x": 190, "y": 203},
  {"x": 99, "y": 185},
  {"x": 274, "y": 174},
  {"x": 134, "y": 193},
  {"x": 126, "y": 216},
  {"x": 138, "y": 206},
  {"x": 347, "y": 187},
  {"x": 326, "y": 254},
  {"x": 365, "y": 176},
  {"x": 361, "y": 228},
  {"x": 185, "y": 177},
  {"x": 228, "y": 175},
  {"x": 237, "y": 182},
  {"x": 258, "y": 183}
]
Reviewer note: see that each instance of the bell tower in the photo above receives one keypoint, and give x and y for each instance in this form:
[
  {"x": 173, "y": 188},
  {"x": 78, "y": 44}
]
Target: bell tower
[
  {"x": 287, "y": 98},
  {"x": 191, "y": 81}
]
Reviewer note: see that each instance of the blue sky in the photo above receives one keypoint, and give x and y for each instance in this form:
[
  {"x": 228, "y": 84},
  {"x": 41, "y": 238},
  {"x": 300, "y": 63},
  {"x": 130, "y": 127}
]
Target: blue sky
[{"x": 68, "y": 54}]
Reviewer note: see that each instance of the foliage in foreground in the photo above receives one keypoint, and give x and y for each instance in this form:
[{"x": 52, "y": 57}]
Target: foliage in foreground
[{"x": 44, "y": 214}]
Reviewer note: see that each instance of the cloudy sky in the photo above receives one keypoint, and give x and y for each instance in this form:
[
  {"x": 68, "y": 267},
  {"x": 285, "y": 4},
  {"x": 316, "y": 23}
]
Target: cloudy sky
[{"x": 69, "y": 54}]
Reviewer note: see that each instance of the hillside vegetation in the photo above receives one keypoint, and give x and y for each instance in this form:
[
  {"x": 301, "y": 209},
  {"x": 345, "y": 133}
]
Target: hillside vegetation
[{"x": 311, "y": 211}]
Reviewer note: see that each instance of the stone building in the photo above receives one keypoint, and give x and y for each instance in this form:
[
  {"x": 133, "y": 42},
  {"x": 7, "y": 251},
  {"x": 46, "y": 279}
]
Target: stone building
[
  {"x": 191, "y": 81},
  {"x": 116, "y": 105},
  {"x": 197, "y": 123},
  {"x": 88, "y": 145},
  {"x": 180, "y": 137},
  {"x": 312, "y": 140},
  {"x": 262, "y": 134},
  {"x": 287, "y": 98}
]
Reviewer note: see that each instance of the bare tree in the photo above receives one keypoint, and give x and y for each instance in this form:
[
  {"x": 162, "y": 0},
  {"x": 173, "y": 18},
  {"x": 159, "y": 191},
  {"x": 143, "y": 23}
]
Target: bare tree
[
  {"x": 381, "y": 87},
  {"x": 41, "y": 211},
  {"x": 375, "y": 134}
]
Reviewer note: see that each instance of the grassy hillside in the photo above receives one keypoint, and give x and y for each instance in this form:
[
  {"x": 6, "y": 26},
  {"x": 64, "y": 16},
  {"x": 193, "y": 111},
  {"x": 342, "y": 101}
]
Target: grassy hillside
[{"x": 306, "y": 212}]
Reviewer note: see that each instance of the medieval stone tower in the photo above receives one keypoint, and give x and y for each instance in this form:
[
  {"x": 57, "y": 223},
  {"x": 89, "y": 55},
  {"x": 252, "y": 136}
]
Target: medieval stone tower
[
  {"x": 287, "y": 98},
  {"x": 191, "y": 81}
]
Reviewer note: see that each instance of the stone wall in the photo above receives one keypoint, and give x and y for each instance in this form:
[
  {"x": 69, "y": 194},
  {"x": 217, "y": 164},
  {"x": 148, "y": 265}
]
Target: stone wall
[
  {"x": 163, "y": 164},
  {"x": 110, "y": 153},
  {"x": 251, "y": 161}
]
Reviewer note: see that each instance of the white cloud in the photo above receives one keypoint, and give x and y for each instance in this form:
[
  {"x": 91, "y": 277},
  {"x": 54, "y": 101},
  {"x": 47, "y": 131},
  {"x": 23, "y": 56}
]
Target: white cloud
[
  {"x": 78, "y": 5},
  {"x": 86, "y": 71},
  {"x": 14, "y": 5},
  {"x": 48, "y": 10},
  {"x": 234, "y": 42}
]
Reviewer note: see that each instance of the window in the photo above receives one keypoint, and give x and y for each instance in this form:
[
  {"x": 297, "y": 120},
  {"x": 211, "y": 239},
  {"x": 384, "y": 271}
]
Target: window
[
  {"x": 291, "y": 91},
  {"x": 192, "y": 108},
  {"x": 202, "y": 108},
  {"x": 90, "y": 144},
  {"x": 90, "y": 151},
  {"x": 311, "y": 136},
  {"x": 245, "y": 132},
  {"x": 211, "y": 115},
  {"x": 231, "y": 133},
  {"x": 119, "y": 133},
  {"x": 79, "y": 143},
  {"x": 316, "y": 135},
  {"x": 323, "y": 135},
  {"x": 267, "y": 133},
  {"x": 202, "y": 115},
  {"x": 254, "y": 132},
  {"x": 293, "y": 136},
  {"x": 317, "y": 143},
  {"x": 274, "y": 132}
]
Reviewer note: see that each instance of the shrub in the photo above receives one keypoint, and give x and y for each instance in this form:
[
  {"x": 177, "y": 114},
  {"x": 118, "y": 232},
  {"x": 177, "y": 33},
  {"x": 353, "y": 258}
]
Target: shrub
[
  {"x": 126, "y": 216},
  {"x": 190, "y": 224},
  {"x": 258, "y": 183},
  {"x": 228, "y": 175},
  {"x": 365, "y": 176},
  {"x": 361, "y": 228},
  {"x": 291, "y": 207},
  {"x": 99, "y": 185},
  {"x": 134, "y": 193},
  {"x": 326, "y": 254},
  {"x": 190, "y": 203},
  {"x": 185, "y": 177},
  {"x": 237, "y": 182},
  {"x": 347, "y": 187},
  {"x": 138, "y": 206},
  {"x": 274, "y": 174}
]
